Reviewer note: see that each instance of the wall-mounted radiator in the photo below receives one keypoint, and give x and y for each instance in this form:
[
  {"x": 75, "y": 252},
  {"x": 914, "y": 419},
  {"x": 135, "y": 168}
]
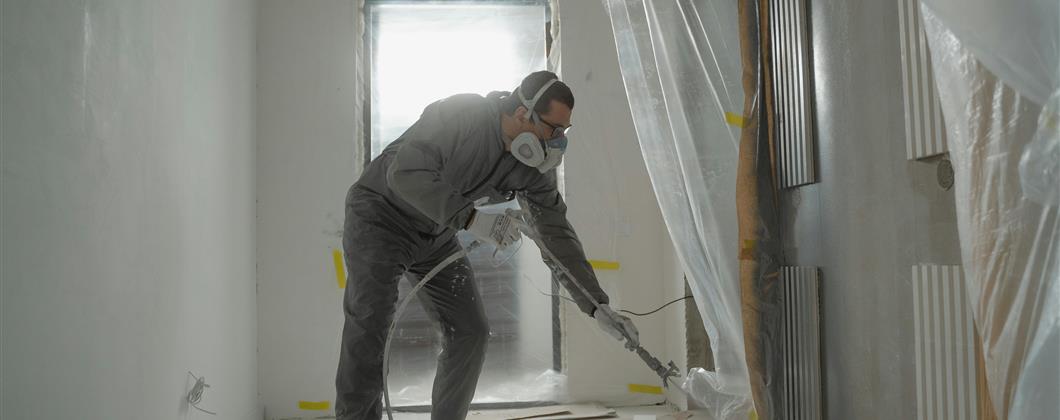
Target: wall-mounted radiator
[
  {"x": 801, "y": 387},
  {"x": 945, "y": 353},
  {"x": 792, "y": 92},
  {"x": 925, "y": 134}
]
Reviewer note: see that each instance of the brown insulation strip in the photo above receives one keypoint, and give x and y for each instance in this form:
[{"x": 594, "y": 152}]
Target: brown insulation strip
[{"x": 758, "y": 221}]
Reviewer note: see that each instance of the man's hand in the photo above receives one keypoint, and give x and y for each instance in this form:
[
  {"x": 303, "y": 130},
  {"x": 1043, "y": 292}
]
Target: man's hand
[
  {"x": 495, "y": 229},
  {"x": 619, "y": 326}
]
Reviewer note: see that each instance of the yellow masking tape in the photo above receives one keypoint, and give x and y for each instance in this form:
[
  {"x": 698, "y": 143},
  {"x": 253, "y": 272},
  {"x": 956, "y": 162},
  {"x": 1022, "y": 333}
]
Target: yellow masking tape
[
  {"x": 747, "y": 252},
  {"x": 340, "y": 272},
  {"x": 314, "y": 405},
  {"x": 734, "y": 119},
  {"x": 645, "y": 389},
  {"x": 754, "y": 415},
  {"x": 604, "y": 265}
]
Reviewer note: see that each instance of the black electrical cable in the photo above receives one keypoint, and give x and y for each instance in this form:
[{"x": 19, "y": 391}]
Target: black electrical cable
[{"x": 659, "y": 308}]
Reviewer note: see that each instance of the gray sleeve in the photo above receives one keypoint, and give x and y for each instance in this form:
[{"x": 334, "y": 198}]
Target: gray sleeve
[
  {"x": 415, "y": 173},
  {"x": 548, "y": 217}
]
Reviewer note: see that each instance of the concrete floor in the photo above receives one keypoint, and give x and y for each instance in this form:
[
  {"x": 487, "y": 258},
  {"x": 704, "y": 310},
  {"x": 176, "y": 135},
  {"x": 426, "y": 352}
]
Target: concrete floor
[{"x": 624, "y": 413}]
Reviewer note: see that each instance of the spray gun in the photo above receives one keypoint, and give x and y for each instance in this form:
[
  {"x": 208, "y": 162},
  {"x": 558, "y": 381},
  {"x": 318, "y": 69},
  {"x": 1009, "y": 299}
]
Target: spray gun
[{"x": 665, "y": 372}]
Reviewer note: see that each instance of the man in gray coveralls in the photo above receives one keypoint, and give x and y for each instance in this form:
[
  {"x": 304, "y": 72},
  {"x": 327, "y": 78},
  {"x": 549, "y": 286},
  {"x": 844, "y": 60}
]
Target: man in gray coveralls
[{"x": 402, "y": 216}]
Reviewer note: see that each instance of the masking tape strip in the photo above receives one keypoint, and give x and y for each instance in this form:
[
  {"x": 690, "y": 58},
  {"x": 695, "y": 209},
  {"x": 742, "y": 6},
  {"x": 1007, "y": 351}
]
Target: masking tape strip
[
  {"x": 747, "y": 251},
  {"x": 753, "y": 415},
  {"x": 340, "y": 271},
  {"x": 604, "y": 265},
  {"x": 735, "y": 119},
  {"x": 314, "y": 405},
  {"x": 645, "y": 389}
]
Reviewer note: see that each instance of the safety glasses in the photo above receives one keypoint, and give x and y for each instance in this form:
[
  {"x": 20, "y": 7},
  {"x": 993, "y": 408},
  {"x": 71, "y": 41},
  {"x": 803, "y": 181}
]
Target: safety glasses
[{"x": 557, "y": 130}]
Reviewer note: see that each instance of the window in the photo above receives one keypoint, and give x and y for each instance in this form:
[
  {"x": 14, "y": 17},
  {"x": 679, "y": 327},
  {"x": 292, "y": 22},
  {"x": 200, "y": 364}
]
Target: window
[
  {"x": 425, "y": 52},
  {"x": 421, "y": 52}
]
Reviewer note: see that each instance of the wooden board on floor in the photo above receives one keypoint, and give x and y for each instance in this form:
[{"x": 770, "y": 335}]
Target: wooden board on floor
[{"x": 555, "y": 412}]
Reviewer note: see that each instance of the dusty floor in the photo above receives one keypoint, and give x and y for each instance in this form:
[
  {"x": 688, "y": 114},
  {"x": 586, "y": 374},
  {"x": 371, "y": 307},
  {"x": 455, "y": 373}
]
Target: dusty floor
[{"x": 624, "y": 413}]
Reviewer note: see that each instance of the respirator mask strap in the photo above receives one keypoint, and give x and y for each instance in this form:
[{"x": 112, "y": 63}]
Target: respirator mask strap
[
  {"x": 547, "y": 153},
  {"x": 531, "y": 103}
]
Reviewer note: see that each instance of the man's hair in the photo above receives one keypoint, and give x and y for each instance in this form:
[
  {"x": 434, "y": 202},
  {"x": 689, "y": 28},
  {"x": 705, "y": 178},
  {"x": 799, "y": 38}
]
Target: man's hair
[{"x": 559, "y": 91}]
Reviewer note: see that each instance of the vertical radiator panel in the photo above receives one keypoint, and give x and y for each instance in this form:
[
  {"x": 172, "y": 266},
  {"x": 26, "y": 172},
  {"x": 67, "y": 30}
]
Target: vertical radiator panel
[
  {"x": 925, "y": 134},
  {"x": 792, "y": 90},
  {"x": 801, "y": 387},
  {"x": 945, "y": 353}
]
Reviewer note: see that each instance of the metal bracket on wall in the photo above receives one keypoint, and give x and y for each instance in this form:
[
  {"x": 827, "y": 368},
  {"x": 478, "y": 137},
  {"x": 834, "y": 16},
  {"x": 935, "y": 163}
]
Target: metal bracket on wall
[{"x": 792, "y": 92}]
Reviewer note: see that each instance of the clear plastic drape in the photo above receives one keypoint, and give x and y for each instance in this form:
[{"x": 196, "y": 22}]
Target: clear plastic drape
[
  {"x": 423, "y": 52},
  {"x": 996, "y": 63},
  {"x": 680, "y": 62}
]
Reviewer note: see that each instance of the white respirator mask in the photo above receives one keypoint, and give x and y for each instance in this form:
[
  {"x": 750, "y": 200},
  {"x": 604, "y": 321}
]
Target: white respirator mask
[{"x": 531, "y": 150}]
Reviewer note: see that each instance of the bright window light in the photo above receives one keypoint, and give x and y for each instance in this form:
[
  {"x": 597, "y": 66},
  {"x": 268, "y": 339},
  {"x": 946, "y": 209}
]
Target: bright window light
[{"x": 422, "y": 53}]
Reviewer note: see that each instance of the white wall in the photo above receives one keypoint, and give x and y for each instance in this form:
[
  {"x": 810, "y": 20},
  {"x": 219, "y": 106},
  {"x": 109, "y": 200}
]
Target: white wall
[
  {"x": 127, "y": 209},
  {"x": 614, "y": 209},
  {"x": 307, "y": 129}
]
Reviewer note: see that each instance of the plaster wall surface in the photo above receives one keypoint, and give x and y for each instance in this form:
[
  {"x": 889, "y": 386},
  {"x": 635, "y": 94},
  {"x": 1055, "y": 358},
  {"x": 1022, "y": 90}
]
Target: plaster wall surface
[
  {"x": 306, "y": 160},
  {"x": 873, "y": 215},
  {"x": 127, "y": 211}
]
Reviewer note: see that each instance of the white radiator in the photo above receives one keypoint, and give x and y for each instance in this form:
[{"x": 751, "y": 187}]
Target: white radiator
[
  {"x": 925, "y": 134},
  {"x": 801, "y": 386},
  {"x": 792, "y": 92},
  {"x": 945, "y": 354}
]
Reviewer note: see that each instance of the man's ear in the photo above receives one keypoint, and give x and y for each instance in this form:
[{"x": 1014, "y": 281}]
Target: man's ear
[{"x": 520, "y": 113}]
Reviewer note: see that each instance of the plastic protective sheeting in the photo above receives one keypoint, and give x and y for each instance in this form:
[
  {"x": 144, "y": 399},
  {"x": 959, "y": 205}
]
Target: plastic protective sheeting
[
  {"x": 426, "y": 51},
  {"x": 681, "y": 65},
  {"x": 996, "y": 63},
  {"x": 1017, "y": 40},
  {"x": 519, "y": 351},
  {"x": 1040, "y": 164},
  {"x": 466, "y": 47}
]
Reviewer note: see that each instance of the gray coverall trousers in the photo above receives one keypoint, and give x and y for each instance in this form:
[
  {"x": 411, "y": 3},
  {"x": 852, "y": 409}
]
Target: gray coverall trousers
[{"x": 380, "y": 248}]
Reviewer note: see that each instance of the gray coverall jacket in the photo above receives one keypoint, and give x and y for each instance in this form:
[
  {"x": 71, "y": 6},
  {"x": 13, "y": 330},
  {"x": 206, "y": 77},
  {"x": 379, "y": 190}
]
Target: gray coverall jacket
[{"x": 401, "y": 219}]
